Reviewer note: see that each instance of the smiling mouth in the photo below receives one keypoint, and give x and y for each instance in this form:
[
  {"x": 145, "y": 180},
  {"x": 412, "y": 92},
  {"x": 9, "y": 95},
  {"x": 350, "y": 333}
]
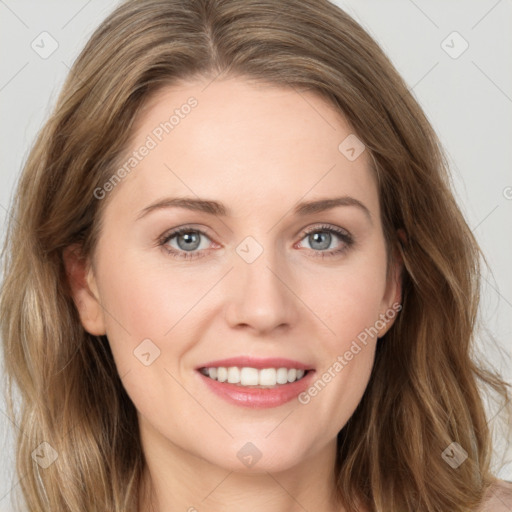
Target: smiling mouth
[{"x": 253, "y": 377}]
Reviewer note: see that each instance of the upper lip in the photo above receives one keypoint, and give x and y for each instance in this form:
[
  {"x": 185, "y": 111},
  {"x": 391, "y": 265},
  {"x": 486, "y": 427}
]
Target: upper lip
[{"x": 260, "y": 363}]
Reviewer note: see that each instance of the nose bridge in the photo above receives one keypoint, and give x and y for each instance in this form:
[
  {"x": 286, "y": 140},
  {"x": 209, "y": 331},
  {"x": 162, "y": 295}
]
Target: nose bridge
[{"x": 261, "y": 299}]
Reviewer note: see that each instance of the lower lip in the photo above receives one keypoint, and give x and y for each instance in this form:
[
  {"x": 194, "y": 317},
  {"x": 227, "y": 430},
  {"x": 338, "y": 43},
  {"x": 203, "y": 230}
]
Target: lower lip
[{"x": 258, "y": 398}]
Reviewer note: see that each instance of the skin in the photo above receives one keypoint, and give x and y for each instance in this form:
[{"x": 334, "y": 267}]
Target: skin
[{"x": 259, "y": 150}]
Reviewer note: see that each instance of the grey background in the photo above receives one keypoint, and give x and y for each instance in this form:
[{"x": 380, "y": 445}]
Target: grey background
[{"x": 467, "y": 99}]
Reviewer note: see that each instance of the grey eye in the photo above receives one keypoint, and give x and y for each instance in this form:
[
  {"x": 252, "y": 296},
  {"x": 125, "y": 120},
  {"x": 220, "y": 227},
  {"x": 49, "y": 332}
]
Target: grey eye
[{"x": 320, "y": 240}]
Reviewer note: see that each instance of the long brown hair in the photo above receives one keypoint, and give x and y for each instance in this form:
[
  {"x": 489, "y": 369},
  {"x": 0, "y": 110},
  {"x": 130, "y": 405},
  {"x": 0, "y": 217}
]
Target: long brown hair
[{"x": 423, "y": 393}]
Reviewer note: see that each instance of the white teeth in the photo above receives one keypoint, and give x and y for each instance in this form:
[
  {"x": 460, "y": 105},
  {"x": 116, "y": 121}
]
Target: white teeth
[
  {"x": 222, "y": 374},
  {"x": 233, "y": 375},
  {"x": 247, "y": 376},
  {"x": 282, "y": 376},
  {"x": 267, "y": 377}
]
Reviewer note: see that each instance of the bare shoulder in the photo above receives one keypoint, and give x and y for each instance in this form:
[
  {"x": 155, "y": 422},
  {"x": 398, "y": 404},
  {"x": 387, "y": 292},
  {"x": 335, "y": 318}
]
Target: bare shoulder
[{"x": 498, "y": 498}]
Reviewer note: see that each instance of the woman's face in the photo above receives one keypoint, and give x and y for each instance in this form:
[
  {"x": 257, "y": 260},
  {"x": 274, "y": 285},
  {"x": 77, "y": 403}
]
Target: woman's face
[{"x": 282, "y": 256}]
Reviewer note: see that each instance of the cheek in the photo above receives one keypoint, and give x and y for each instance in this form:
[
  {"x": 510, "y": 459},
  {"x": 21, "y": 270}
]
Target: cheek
[
  {"x": 350, "y": 300},
  {"x": 146, "y": 314},
  {"x": 147, "y": 301},
  {"x": 352, "y": 311}
]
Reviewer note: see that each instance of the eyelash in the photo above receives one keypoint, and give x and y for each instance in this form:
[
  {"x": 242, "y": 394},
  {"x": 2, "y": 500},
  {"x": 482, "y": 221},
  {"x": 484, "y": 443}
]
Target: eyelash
[{"x": 346, "y": 238}]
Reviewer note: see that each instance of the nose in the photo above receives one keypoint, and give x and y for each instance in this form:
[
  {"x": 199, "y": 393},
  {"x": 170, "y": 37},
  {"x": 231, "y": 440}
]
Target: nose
[{"x": 260, "y": 294}]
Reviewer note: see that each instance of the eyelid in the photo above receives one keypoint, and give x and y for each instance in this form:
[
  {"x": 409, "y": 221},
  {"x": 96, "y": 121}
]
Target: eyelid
[
  {"x": 184, "y": 228},
  {"x": 347, "y": 239},
  {"x": 205, "y": 231},
  {"x": 345, "y": 236},
  {"x": 323, "y": 226}
]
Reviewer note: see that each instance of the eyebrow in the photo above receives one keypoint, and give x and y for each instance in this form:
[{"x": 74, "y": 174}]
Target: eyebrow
[{"x": 216, "y": 208}]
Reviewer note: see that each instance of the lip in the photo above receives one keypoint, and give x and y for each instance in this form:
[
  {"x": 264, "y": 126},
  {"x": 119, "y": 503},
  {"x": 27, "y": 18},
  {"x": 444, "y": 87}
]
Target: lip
[
  {"x": 259, "y": 363},
  {"x": 258, "y": 398}
]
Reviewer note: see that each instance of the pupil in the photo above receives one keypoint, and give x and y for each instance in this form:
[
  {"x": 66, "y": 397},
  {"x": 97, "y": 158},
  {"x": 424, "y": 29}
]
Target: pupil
[
  {"x": 323, "y": 238},
  {"x": 191, "y": 240}
]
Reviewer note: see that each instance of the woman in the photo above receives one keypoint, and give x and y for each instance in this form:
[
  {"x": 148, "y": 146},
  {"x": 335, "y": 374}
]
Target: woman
[{"x": 237, "y": 277}]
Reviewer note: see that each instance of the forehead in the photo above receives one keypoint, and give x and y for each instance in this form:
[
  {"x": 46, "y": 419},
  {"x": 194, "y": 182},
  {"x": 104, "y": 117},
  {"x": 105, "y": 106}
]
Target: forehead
[{"x": 245, "y": 144}]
